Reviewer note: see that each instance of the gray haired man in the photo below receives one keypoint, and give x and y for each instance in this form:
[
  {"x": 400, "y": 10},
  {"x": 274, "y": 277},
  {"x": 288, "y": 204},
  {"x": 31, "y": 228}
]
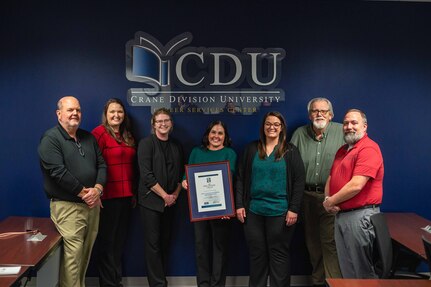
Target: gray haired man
[{"x": 318, "y": 142}]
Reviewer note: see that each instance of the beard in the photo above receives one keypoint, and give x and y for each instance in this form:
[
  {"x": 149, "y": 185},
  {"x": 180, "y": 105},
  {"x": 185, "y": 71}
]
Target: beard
[
  {"x": 352, "y": 137},
  {"x": 320, "y": 124}
]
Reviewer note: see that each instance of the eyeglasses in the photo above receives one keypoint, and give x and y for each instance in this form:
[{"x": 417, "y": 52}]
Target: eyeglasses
[
  {"x": 79, "y": 146},
  {"x": 322, "y": 112},
  {"x": 165, "y": 121},
  {"x": 275, "y": 125}
]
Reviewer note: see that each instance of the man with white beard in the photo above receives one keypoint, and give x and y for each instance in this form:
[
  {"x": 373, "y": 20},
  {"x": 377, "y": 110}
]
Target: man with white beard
[
  {"x": 354, "y": 192},
  {"x": 318, "y": 142}
]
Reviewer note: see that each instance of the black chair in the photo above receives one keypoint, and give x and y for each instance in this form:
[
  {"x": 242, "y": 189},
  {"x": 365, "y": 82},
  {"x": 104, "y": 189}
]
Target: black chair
[
  {"x": 427, "y": 246},
  {"x": 383, "y": 257}
]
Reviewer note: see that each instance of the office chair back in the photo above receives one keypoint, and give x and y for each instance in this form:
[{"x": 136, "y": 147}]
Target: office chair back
[
  {"x": 427, "y": 245},
  {"x": 382, "y": 246}
]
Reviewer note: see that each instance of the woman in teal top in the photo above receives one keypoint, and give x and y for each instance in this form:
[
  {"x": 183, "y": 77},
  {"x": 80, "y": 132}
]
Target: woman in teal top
[
  {"x": 212, "y": 236},
  {"x": 269, "y": 187}
]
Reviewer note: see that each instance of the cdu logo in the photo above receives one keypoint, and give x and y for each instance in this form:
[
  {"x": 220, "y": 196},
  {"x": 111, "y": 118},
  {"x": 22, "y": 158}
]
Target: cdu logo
[
  {"x": 148, "y": 61},
  {"x": 201, "y": 80}
]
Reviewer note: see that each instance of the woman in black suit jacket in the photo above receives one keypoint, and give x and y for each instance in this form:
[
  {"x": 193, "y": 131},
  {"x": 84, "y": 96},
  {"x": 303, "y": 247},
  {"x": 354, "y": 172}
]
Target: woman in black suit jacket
[{"x": 160, "y": 160}]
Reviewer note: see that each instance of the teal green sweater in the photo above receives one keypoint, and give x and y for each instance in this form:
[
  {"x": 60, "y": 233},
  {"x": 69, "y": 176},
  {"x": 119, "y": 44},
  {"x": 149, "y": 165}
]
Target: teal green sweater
[
  {"x": 203, "y": 155},
  {"x": 268, "y": 186}
]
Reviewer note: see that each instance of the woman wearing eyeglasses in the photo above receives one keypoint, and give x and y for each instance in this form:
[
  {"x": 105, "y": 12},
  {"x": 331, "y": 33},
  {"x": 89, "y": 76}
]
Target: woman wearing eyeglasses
[
  {"x": 117, "y": 144},
  {"x": 270, "y": 183},
  {"x": 212, "y": 236},
  {"x": 161, "y": 166}
]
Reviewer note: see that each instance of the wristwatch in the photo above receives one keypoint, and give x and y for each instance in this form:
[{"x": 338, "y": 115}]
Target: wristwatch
[{"x": 99, "y": 190}]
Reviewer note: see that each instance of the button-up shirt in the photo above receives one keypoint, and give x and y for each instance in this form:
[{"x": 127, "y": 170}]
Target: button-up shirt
[{"x": 318, "y": 154}]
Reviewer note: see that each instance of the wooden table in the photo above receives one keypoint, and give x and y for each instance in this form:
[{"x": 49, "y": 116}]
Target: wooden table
[
  {"x": 41, "y": 256},
  {"x": 9, "y": 280},
  {"x": 405, "y": 229},
  {"x": 378, "y": 283},
  {"x": 17, "y": 250}
]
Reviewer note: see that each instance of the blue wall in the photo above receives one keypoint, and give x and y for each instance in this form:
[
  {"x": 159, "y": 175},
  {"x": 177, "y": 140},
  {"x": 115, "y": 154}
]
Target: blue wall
[{"x": 370, "y": 55}]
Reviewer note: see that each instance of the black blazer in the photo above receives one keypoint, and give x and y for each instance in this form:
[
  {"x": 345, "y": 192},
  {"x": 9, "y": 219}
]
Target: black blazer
[{"x": 153, "y": 170}]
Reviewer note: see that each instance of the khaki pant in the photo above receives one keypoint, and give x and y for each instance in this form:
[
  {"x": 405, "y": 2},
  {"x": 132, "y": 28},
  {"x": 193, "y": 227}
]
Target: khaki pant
[
  {"x": 78, "y": 225},
  {"x": 319, "y": 238}
]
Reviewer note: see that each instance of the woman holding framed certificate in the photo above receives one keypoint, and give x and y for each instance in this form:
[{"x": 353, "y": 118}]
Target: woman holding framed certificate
[
  {"x": 269, "y": 187},
  {"x": 212, "y": 236}
]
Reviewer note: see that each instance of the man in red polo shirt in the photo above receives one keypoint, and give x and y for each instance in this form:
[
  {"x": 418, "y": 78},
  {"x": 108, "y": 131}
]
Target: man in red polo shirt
[{"x": 354, "y": 192}]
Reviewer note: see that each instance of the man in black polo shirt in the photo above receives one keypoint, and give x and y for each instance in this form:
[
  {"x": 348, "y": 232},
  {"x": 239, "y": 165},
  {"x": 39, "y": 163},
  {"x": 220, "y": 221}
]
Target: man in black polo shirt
[{"x": 74, "y": 173}]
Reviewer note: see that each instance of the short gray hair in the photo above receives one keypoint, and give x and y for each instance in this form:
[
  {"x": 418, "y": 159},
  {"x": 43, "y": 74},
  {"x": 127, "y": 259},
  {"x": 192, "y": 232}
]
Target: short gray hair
[
  {"x": 312, "y": 101},
  {"x": 60, "y": 101},
  {"x": 363, "y": 115}
]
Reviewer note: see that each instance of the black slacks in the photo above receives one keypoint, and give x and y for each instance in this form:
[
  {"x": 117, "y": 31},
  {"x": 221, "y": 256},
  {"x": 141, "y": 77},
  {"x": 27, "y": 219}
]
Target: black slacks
[
  {"x": 211, "y": 249},
  {"x": 113, "y": 226},
  {"x": 268, "y": 240},
  {"x": 157, "y": 234}
]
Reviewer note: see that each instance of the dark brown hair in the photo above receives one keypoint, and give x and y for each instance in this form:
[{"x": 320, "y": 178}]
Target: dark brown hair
[
  {"x": 227, "y": 140},
  {"x": 125, "y": 130},
  {"x": 282, "y": 144}
]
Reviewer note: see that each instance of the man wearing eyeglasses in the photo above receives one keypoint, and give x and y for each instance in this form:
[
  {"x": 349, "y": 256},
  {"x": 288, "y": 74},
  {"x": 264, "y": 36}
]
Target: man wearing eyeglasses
[
  {"x": 318, "y": 142},
  {"x": 74, "y": 173}
]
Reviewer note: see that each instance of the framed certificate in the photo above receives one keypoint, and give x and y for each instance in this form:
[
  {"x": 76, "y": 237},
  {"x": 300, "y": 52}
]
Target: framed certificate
[{"x": 210, "y": 190}]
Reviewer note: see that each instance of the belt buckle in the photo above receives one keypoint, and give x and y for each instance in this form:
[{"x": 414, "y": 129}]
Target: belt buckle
[{"x": 315, "y": 188}]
